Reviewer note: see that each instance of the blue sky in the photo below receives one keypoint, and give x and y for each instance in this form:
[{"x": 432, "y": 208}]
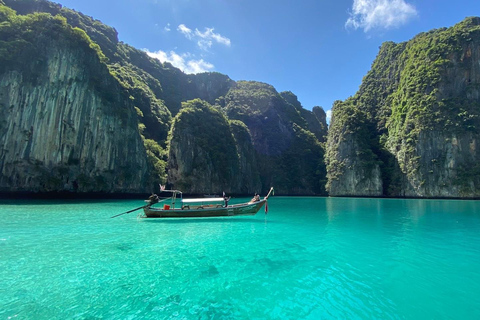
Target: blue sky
[{"x": 318, "y": 49}]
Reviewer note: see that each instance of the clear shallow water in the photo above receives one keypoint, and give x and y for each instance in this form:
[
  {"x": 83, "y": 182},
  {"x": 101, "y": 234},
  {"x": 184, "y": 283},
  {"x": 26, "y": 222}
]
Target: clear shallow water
[{"x": 309, "y": 258}]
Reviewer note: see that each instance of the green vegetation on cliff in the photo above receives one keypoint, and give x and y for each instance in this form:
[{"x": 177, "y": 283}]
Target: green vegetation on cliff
[
  {"x": 249, "y": 138},
  {"x": 202, "y": 147},
  {"x": 211, "y": 132},
  {"x": 60, "y": 110},
  {"x": 289, "y": 154},
  {"x": 20, "y": 34},
  {"x": 428, "y": 84}
]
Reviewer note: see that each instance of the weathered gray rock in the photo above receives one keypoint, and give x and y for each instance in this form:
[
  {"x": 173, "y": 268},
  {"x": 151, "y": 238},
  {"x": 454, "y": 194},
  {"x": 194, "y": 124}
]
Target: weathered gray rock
[
  {"x": 248, "y": 181},
  {"x": 447, "y": 166},
  {"x": 322, "y": 130},
  {"x": 207, "y": 154},
  {"x": 357, "y": 178},
  {"x": 69, "y": 128},
  {"x": 412, "y": 128}
]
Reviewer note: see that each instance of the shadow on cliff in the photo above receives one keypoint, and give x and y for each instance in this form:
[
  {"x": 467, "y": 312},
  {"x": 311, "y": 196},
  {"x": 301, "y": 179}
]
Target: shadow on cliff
[{"x": 395, "y": 182}]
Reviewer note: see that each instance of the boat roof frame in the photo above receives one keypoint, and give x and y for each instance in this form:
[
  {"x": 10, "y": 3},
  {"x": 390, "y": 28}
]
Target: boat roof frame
[{"x": 202, "y": 200}]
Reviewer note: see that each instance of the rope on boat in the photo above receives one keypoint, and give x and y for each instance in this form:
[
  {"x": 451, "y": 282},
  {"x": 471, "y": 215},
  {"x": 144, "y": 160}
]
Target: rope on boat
[{"x": 266, "y": 199}]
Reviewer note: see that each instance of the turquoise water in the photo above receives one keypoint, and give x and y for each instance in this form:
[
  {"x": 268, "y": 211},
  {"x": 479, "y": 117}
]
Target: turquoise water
[{"x": 309, "y": 258}]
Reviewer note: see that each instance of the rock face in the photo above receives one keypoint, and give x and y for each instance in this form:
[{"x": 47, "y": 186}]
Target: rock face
[
  {"x": 210, "y": 155},
  {"x": 66, "y": 123},
  {"x": 448, "y": 165},
  {"x": 413, "y": 128},
  {"x": 82, "y": 111},
  {"x": 289, "y": 155},
  {"x": 248, "y": 181},
  {"x": 262, "y": 147},
  {"x": 320, "y": 121},
  {"x": 358, "y": 178}
]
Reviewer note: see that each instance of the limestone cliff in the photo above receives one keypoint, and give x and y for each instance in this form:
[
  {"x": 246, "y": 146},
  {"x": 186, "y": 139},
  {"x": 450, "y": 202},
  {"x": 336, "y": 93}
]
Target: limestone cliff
[
  {"x": 290, "y": 157},
  {"x": 74, "y": 69},
  {"x": 321, "y": 118},
  {"x": 315, "y": 120},
  {"x": 66, "y": 123},
  {"x": 352, "y": 169},
  {"x": 248, "y": 181},
  {"x": 207, "y": 154},
  {"x": 413, "y": 127},
  {"x": 266, "y": 143}
]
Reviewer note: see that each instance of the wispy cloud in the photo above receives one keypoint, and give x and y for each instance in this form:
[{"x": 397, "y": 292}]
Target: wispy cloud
[
  {"x": 167, "y": 27},
  {"x": 184, "y": 62},
  {"x": 186, "y": 31},
  {"x": 379, "y": 14},
  {"x": 204, "y": 39}
]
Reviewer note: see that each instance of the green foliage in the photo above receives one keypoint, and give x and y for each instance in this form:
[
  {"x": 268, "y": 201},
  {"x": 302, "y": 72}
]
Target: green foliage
[
  {"x": 151, "y": 111},
  {"x": 158, "y": 90},
  {"x": 211, "y": 133},
  {"x": 202, "y": 137},
  {"x": 139, "y": 112},
  {"x": 6, "y": 13},
  {"x": 259, "y": 105},
  {"x": 102, "y": 35},
  {"x": 40, "y": 32},
  {"x": 83, "y": 35},
  {"x": 409, "y": 90},
  {"x": 289, "y": 154},
  {"x": 156, "y": 157},
  {"x": 302, "y": 163},
  {"x": 253, "y": 97},
  {"x": 26, "y": 38},
  {"x": 350, "y": 125},
  {"x": 241, "y": 131}
]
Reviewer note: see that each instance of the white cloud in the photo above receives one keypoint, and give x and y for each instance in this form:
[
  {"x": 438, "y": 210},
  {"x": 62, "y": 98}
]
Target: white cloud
[
  {"x": 198, "y": 66},
  {"x": 182, "y": 61},
  {"x": 186, "y": 31},
  {"x": 167, "y": 27},
  {"x": 379, "y": 14},
  {"x": 329, "y": 116},
  {"x": 204, "y": 44},
  {"x": 209, "y": 34},
  {"x": 204, "y": 39}
]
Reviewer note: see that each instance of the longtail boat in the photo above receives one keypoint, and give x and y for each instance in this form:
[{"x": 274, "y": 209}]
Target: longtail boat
[{"x": 201, "y": 207}]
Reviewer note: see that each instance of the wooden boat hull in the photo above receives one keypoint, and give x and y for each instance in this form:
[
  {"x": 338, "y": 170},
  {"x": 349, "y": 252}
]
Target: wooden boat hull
[{"x": 245, "y": 209}]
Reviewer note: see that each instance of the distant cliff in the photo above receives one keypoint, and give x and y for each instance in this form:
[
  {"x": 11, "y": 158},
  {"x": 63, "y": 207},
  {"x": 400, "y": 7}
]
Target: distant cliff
[
  {"x": 204, "y": 159},
  {"x": 251, "y": 139},
  {"x": 413, "y": 127},
  {"x": 289, "y": 155},
  {"x": 84, "y": 112}
]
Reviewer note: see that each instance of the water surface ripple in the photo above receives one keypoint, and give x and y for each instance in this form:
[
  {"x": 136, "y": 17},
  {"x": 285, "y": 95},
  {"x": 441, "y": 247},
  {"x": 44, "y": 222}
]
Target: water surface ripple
[{"x": 309, "y": 258}]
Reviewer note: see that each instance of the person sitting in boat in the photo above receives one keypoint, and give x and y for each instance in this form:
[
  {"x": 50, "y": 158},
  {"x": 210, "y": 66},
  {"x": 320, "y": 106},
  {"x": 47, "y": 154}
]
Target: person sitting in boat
[
  {"x": 225, "y": 200},
  {"x": 153, "y": 199},
  {"x": 255, "y": 198}
]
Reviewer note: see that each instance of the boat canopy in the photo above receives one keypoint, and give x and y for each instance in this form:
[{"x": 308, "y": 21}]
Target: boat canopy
[{"x": 202, "y": 200}]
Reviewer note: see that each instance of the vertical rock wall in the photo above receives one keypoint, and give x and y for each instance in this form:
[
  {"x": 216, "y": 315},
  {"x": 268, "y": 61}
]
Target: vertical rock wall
[
  {"x": 68, "y": 127},
  {"x": 209, "y": 154},
  {"x": 413, "y": 127}
]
